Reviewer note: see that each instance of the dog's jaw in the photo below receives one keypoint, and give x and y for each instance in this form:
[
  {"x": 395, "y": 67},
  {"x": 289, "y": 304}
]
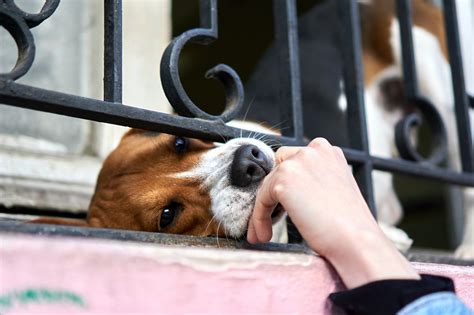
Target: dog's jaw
[{"x": 231, "y": 206}]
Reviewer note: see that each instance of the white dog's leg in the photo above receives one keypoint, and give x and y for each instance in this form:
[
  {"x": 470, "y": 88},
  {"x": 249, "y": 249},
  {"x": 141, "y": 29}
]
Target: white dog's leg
[
  {"x": 381, "y": 129},
  {"x": 466, "y": 249},
  {"x": 280, "y": 231}
]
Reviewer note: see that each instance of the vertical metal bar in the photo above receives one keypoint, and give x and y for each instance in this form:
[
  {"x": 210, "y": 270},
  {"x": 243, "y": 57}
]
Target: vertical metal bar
[
  {"x": 353, "y": 83},
  {"x": 408, "y": 51},
  {"x": 113, "y": 51},
  {"x": 286, "y": 38},
  {"x": 285, "y": 20},
  {"x": 459, "y": 88},
  {"x": 208, "y": 14}
]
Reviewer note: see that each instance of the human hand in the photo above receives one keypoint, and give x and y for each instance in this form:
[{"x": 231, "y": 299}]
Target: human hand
[{"x": 314, "y": 184}]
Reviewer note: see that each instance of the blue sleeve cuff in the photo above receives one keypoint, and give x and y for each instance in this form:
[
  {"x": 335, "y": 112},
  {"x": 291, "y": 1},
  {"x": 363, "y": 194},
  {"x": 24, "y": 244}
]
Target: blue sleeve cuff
[{"x": 439, "y": 303}]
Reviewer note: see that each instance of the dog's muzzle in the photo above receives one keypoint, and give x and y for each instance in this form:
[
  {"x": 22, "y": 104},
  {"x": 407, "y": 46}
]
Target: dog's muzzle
[{"x": 250, "y": 165}]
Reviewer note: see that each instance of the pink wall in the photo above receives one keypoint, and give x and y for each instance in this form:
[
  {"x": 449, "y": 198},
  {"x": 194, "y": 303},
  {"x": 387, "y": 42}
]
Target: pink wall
[{"x": 65, "y": 275}]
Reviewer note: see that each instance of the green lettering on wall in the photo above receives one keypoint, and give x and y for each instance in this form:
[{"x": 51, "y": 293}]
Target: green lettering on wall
[{"x": 30, "y": 296}]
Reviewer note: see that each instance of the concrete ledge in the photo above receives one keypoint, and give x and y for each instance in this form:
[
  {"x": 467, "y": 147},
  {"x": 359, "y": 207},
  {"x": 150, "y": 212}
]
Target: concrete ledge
[{"x": 58, "y": 275}]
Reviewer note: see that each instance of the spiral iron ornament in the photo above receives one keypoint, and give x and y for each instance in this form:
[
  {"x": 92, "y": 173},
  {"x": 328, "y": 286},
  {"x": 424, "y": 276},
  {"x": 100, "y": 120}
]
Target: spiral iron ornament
[
  {"x": 18, "y": 23},
  {"x": 433, "y": 119},
  {"x": 169, "y": 70}
]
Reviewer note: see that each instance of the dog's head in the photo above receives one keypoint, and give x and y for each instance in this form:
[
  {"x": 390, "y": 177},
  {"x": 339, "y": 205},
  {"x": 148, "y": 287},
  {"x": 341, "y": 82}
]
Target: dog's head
[{"x": 162, "y": 183}]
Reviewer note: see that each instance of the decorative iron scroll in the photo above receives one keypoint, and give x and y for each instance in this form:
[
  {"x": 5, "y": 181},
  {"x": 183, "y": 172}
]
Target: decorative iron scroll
[
  {"x": 423, "y": 105},
  {"x": 171, "y": 81},
  {"x": 18, "y": 23}
]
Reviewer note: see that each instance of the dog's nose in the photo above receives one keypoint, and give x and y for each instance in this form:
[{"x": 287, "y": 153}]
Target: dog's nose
[{"x": 250, "y": 165}]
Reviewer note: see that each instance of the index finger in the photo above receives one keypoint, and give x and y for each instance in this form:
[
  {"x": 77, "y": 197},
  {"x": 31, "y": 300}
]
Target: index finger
[
  {"x": 260, "y": 223},
  {"x": 284, "y": 153}
]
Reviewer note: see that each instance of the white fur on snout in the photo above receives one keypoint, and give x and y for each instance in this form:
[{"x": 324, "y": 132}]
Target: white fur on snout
[{"x": 230, "y": 205}]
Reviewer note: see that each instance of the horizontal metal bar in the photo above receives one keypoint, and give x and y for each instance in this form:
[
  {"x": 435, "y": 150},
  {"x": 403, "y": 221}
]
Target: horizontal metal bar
[
  {"x": 19, "y": 95},
  {"x": 422, "y": 171},
  {"x": 15, "y": 94},
  {"x": 426, "y": 171}
]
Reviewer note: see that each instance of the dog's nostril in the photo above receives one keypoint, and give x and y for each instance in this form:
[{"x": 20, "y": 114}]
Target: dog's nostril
[
  {"x": 251, "y": 170},
  {"x": 256, "y": 152},
  {"x": 250, "y": 165}
]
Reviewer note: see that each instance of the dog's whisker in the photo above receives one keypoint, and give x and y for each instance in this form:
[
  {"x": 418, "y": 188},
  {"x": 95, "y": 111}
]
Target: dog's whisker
[
  {"x": 217, "y": 234},
  {"x": 268, "y": 141},
  {"x": 225, "y": 232},
  {"x": 207, "y": 226},
  {"x": 248, "y": 108},
  {"x": 274, "y": 126},
  {"x": 222, "y": 137}
]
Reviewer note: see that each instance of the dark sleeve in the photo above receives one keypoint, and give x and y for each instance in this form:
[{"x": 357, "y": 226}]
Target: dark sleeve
[{"x": 388, "y": 296}]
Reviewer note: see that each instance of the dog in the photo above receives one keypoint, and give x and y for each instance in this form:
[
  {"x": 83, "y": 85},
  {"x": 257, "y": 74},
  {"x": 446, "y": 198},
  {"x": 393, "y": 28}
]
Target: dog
[
  {"x": 157, "y": 182},
  {"x": 386, "y": 104}
]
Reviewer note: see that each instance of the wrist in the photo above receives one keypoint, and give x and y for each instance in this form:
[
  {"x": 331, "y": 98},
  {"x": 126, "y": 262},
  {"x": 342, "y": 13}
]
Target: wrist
[{"x": 366, "y": 256}]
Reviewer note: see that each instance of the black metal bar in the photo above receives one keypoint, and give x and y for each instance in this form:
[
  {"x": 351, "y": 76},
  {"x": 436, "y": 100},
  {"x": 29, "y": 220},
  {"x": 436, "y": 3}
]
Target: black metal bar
[
  {"x": 113, "y": 51},
  {"x": 286, "y": 39},
  {"x": 410, "y": 78},
  {"x": 426, "y": 171},
  {"x": 285, "y": 21},
  {"x": 15, "y": 94},
  {"x": 208, "y": 15},
  {"x": 19, "y": 95},
  {"x": 459, "y": 88},
  {"x": 353, "y": 83}
]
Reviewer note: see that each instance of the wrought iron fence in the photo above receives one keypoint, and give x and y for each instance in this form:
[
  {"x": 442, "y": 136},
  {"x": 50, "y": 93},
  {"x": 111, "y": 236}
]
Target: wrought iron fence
[{"x": 194, "y": 122}]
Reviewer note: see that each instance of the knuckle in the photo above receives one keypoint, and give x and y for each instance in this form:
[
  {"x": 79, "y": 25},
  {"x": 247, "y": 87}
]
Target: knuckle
[
  {"x": 339, "y": 151},
  {"x": 308, "y": 153},
  {"x": 280, "y": 154},
  {"x": 278, "y": 191},
  {"x": 319, "y": 143}
]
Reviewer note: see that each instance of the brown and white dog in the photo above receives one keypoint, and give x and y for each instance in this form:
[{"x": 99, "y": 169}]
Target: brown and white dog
[
  {"x": 163, "y": 183},
  {"x": 385, "y": 104}
]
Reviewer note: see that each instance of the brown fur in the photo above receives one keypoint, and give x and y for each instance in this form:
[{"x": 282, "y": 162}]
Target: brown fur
[
  {"x": 136, "y": 183},
  {"x": 376, "y": 20}
]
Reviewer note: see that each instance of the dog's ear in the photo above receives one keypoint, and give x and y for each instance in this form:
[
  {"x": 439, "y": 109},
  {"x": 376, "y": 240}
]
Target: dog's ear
[{"x": 59, "y": 221}]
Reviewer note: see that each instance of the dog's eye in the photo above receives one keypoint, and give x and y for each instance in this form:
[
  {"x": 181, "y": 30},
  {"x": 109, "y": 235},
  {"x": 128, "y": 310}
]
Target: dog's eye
[
  {"x": 168, "y": 214},
  {"x": 180, "y": 144}
]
